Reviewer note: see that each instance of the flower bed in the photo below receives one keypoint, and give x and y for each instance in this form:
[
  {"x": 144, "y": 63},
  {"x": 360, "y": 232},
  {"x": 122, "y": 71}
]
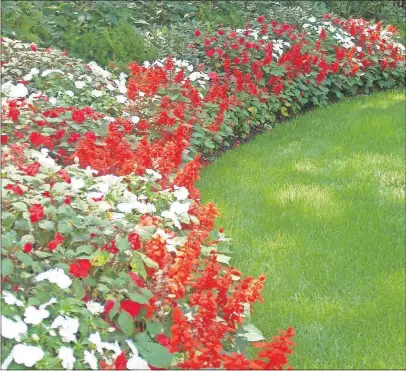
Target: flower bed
[{"x": 109, "y": 258}]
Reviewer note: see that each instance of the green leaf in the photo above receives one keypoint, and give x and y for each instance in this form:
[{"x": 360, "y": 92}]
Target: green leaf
[
  {"x": 155, "y": 354},
  {"x": 103, "y": 288},
  {"x": 138, "y": 298},
  {"x": 154, "y": 328},
  {"x": 23, "y": 224},
  {"x": 137, "y": 265},
  {"x": 25, "y": 258},
  {"x": 46, "y": 224},
  {"x": 284, "y": 111},
  {"x": 7, "y": 267},
  {"x": 251, "y": 333},
  {"x": 148, "y": 261},
  {"x": 122, "y": 244},
  {"x": 126, "y": 323},
  {"x": 20, "y": 206},
  {"x": 78, "y": 289}
]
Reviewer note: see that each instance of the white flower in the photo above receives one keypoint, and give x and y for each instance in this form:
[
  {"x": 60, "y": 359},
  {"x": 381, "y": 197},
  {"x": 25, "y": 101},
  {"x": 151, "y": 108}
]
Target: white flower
[
  {"x": 146, "y": 64},
  {"x": 141, "y": 94},
  {"x": 117, "y": 216},
  {"x": 65, "y": 354},
  {"x": 57, "y": 276},
  {"x": 34, "y": 71},
  {"x": 70, "y": 93},
  {"x": 90, "y": 359},
  {"x": 179, "y": 208},
  {"x": 121, "y": 98},
  {"x": 135, "y": 119},
  {"x": 154, "y": 174},
  {"x": 35, "y": 337},
  {"x": 22, "y": 354},
  {"x": 11, "y": 329},
  {"x": 79, "y": 84},
  {"x": 171, "y": 215},
  {"x": 15, "y": 91},
  {"x": 181, "y": 193},
  {"x": 52, "y": 333},
  {"x": 136, "y": 362},
  {"x": 10, "y": 299},
  {"x": 97, "y": 93},
  {"x": 312, "y": 19},
  {"x": 68, "y": 327},
  {"x": 52, "y": 100},
  {"x": 27, "y": 77},
  {"x": 76, "y": 184},
  {"x": 96, "y": 340},
  {"x": 190, "y": 68},
  {"x": 45, "y": 160},
  {"x": 95, "y": 307},
  {"x": 110, "y": 87},
  {"x": 35, "y": 316},
  {"x": 105, "y": 181}
]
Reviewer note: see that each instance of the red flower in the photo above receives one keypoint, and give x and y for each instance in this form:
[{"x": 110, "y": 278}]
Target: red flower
[
  {"x": 78, "y": 116},
  {"x": 261, "y": 19},
  {"x": 27, "y": 248},
  {"x": 134, "y": 241},
  {"x": 73, "y": 138},
  {"x": 67, "y": 200},
  {"x": 36, "y": 213},
  {"x": 137, "y": 279},
  {"x": 277, "y": 89},
  {"x": 4, "y": 139},
  {"x": 57, "y": 240},
  {"x": 220, "y": 32},
  {"x": 197, "y": 33},
  {"x": 131, "y": 307},
  {"x": 80, "y": 268},
  {"x": 14, "y": 113},
  {"x": 33, "y": 47},
  {"x": 33, "y": 168},
  {"x": 121, "y": 362},
  {"x": 15, "y": 188},
  {"x": 162, "y": 339},
  {"x": 108, "y": 307},
  {"x": 90, "y": 135}
]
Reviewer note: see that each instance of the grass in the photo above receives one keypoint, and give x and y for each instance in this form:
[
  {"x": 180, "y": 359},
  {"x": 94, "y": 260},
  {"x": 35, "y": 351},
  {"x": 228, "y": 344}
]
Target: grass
[{"x": 318, "y": 204}]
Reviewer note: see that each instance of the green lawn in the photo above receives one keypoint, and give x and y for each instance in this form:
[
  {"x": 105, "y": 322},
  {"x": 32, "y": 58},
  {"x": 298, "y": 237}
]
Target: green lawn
[{"x": 318, "y": 204}]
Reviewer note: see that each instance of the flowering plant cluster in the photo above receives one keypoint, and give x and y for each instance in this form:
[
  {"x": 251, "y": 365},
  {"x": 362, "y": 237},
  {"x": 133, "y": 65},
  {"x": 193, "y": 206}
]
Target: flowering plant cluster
[{"x": 109, "y": 259}]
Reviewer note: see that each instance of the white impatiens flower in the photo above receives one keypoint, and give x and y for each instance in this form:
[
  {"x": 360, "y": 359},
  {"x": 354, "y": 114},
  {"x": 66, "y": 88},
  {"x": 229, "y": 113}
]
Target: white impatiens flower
[
  {"x": 97, "y": 93},
  {"x": 95, "y": 307},
  {"x": 27, "y": 77},
  {"x": 136, "y": 362},
  {"x": 100, "y": 345},
  {"x": 69, "y": 93},
  {"x": 65, "y": 354},
  {"x": 68, "y": 327},
  {"x": 15, "y": 91},
  {"x": 131, "y": 202},
  {"x": 181, "y": 193},
  {"x": 105, "y": 181},
  {"x": 57, "y": 276},
  {"x": 179, "y": 208},
  {"x": 27, "y": 355},
  {"x": 91, "y": 360},
  {"x": 80, "y": 84},
  {"x": 34, "y": 71},
  {"x": 52, "y": 100},
  {"x": 312, "y": 19},
  {"x": 155, "y": 175},
  {"x": 77, "y": 184},
  {"x": 46, "y": 161},
  {"x": 34, "y": 316},
  {"x": 110, "y": 87},
  {"x": 135, "y": 119},
  {"x": 121, "y": 99},
  {"x": 12, "y": 329},
  {"x": 10, "y": 299}
]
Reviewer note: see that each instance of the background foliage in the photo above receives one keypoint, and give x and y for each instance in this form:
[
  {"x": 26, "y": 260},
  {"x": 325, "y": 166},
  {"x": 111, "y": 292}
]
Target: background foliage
[{"x": 107, "y": 31}]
